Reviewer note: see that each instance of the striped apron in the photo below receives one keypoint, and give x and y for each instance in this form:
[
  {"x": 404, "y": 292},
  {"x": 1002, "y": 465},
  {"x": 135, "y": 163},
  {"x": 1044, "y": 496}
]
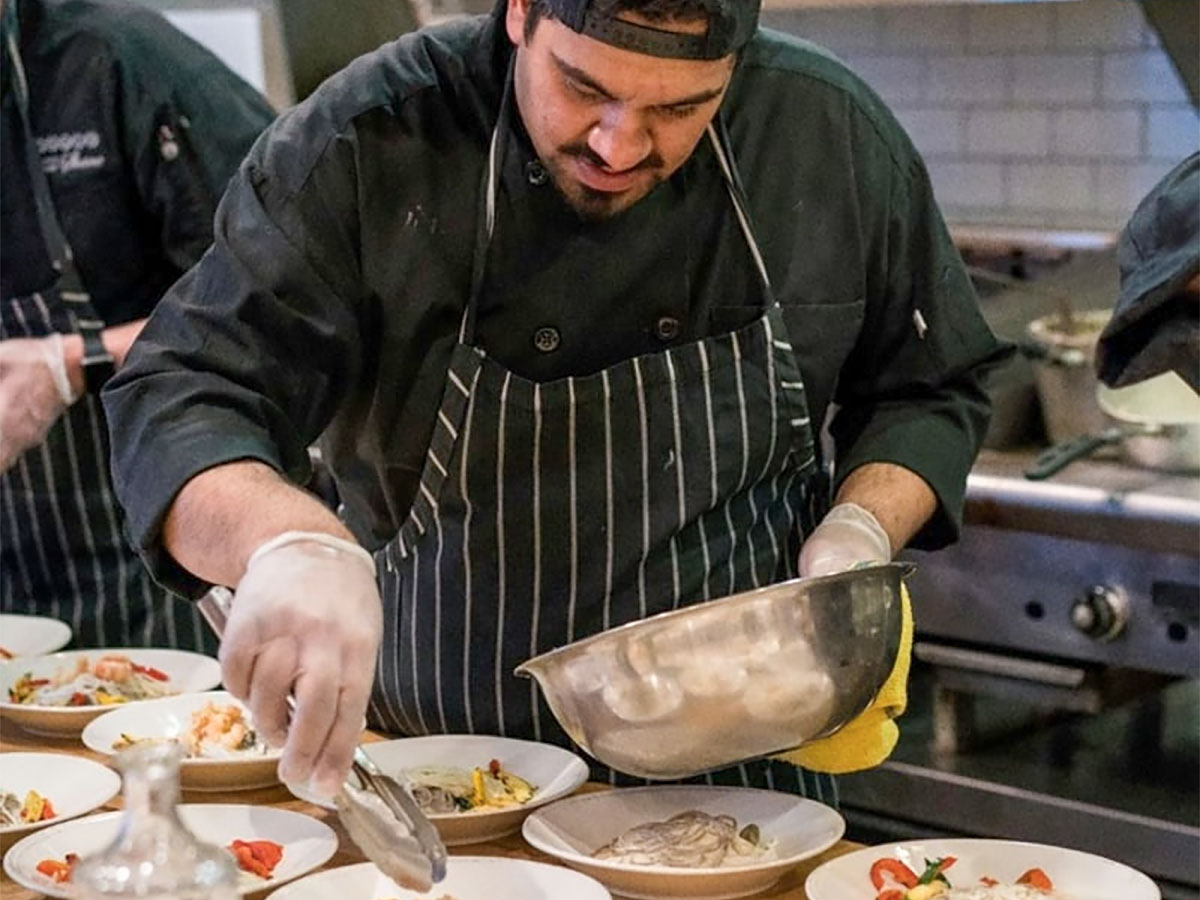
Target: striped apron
[
  {"x": 62, "y": 553},
  {"x": 550, "y": 511}
]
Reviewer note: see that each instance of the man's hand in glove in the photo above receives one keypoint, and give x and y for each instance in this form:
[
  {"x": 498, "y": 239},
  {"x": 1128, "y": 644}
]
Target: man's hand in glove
[
  {"x": 848, "y": 536},
  {"x": 306, "y": 620},
  {"x": 34, "y": 392}
]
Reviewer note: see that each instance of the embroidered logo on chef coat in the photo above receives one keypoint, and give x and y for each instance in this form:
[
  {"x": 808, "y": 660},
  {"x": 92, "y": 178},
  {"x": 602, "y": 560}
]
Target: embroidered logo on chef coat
[{"x": 70, "y": 151}]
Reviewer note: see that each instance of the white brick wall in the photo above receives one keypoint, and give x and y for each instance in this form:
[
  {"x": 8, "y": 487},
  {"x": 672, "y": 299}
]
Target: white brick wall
[{"x": 1047, "y": 114}]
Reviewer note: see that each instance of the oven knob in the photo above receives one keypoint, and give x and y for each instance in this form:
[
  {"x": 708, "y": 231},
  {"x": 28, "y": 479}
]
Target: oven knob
[{"x": 1101, "y": 613}]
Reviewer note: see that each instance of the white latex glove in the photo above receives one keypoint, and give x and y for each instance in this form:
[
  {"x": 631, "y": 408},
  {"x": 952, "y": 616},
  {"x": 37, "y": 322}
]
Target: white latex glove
[
  {"x": 306, "y": 620},
  {"x": 848, "y": 536},
  {"x": 34, "y": 392}
]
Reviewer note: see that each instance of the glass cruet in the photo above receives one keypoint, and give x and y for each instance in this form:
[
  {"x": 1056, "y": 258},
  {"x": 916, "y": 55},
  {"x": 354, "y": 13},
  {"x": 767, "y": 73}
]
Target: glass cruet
[{"x": 154, "y": 855}]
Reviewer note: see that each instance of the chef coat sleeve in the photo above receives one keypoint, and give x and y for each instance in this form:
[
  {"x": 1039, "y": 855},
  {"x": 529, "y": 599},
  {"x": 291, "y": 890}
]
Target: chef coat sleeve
[
  {"x": 248, "y": 355},
  {"x": 188, "y": 121},
  {"x": 912, "y": 391}
]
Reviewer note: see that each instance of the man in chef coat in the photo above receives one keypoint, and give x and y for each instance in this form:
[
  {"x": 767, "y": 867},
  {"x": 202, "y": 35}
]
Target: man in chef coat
[
  {"x": 567, "y": 291},
  {"x": 119, "y": 134}
]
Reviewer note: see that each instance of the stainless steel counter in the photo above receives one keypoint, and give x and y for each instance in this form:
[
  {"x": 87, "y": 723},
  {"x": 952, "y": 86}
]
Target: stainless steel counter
[{"x": 1091, "y": 500}]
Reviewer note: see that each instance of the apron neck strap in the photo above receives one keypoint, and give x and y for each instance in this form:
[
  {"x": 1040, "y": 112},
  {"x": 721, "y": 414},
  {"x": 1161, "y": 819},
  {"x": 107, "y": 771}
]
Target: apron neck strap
[
  {"x": 62, "y": 259},
  {"x": 486, "y": 223}
]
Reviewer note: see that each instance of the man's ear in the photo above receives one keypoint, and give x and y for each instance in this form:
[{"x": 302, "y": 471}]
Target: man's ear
[{"x": 514, "y": 20}]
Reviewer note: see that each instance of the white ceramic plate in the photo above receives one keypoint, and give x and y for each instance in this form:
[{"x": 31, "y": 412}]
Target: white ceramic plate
[
  {"x": 307, "y": 843},
  {"x": 72, "y": 784},
  {"x": 31, "y": 635},
  {"x": 1073, "y": 873},
  {"x": 467, "y": 878},
  {"x": 187, "y": 672},
  {"x": 572, "y": 829},
  {"x": 171, "y": 717},
  {"x": 555, "y": 773}
]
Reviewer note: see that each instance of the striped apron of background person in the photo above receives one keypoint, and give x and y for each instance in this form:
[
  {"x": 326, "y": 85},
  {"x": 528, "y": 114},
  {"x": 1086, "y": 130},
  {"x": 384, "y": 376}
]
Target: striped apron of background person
[
  {"x": 550, "y": 511},
  {"x": 62, "y": 551}
]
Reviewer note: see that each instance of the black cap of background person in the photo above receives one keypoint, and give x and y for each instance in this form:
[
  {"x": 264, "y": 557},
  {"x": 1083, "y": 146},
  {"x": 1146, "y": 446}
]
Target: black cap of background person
[
  {"x": 731, "y": 23},
  {"x": 1155, "y": 327}
]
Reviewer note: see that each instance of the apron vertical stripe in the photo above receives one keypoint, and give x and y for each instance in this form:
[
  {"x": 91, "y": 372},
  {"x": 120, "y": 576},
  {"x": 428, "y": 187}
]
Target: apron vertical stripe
[
  {"x": 501, "y": 557},
  {"x": 644, "y": 446},
  {"x": 573, "y": 587},
  {"x": 706, "y": 384},
  {"x": 468, "y": 572},
  {"x": 438, "y": 634},
  {"x": 609, "y": 525},
  {"x": 537, "y": 551},
  {"x": 415, "y": 657},
  {"x": 680, "y": 480}
]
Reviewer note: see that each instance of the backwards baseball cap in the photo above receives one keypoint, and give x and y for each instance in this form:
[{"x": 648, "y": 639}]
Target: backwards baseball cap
[{"x": 731, "y": 23}]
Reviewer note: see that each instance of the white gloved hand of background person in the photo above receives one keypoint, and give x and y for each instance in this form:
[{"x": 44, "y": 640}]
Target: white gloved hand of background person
[
  {"x": 847, "y": 536},
  {"x": 34, "y": 392},
  {"x": 306, "y": 620}
]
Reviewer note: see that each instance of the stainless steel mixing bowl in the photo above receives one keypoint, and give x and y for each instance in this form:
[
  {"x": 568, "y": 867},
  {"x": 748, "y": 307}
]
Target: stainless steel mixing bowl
[{"x": 717, "y": 683}]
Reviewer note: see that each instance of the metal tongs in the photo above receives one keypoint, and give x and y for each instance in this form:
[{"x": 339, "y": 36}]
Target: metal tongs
[{"x": 381, "y": 817}]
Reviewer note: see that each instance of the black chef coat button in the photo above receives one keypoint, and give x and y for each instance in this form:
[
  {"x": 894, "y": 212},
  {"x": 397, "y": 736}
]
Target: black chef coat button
[
  {"x": 666, "y": 328},
  {"x": 546, "y": 339},
  {"x": 535, "y": 173}
]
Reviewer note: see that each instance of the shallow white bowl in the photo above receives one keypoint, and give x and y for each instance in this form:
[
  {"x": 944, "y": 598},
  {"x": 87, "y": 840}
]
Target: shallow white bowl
[
  {"x": 32, "y": 635},
  {"x": 1073, "y": 873},
  {"x": 572, "y": 829},
  {"x": 72, "y": 784},
  {"x": 171, "y": 717},
  {"x": 467, "y": 878},
  {"x": 555, "y": 773},
  {"x": 187, "y": 672},
  {"x": 307, "y": 843}
]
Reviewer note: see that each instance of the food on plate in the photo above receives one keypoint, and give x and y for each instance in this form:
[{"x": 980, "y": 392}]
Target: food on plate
[
  {"x": 444, "y": 789},
  {"x": 691, "y": 839},
  {"x": 35, "y": 808},
  {"x": 894, "y": 880},
  {"x": 5, "y": 653},
  {"x": 218, "y": 731},
  {"x": 59, "y": 870},
  {"x": 113, "y": 678},
  {"x": 256, "y": 857}
]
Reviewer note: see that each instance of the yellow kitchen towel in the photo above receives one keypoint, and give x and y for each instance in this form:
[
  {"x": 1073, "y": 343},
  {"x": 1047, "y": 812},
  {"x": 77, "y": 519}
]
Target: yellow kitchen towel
[{"x": 869, "y": 739}]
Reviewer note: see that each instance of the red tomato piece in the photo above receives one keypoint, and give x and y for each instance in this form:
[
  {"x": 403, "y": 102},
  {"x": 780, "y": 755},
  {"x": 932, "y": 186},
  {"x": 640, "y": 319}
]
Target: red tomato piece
[
  {"x": 896, "y": 869},
  {"x": 1036, "y": 878}
]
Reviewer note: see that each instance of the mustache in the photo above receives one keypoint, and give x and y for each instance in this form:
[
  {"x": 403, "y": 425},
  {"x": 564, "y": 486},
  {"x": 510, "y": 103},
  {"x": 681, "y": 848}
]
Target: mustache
[{"x": 582, "y": 150}]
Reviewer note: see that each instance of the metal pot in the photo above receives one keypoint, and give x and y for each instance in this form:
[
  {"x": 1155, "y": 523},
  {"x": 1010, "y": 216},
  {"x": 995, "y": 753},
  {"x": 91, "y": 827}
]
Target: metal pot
[
  {"x": 1062, "y": 361},
  {"x": 1155, "y": 423}
]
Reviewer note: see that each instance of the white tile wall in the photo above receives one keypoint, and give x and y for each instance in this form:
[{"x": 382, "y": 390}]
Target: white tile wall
[
  {"x": 968, "y": 79},
  {"x": 1056, "y": 78},
  {"x": 1097, "y": 133},
  {"x": 1050, "y": 114},
  {"x": 1009, "y": 132}
]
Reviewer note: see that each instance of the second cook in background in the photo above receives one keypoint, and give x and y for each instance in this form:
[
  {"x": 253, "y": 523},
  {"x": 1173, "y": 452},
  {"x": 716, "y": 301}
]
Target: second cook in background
[
  {"x": 567, "y": 291},
  {"x": 119, "y": 136}
]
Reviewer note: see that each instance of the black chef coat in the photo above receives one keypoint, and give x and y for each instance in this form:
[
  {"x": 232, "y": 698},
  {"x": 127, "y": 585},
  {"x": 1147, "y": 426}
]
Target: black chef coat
[{"x": 332, "y": 297}]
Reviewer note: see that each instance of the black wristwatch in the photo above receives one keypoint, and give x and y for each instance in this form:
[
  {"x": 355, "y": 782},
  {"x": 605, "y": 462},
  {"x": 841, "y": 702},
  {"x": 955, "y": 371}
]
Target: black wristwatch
[{"x": 98, "y": 363}]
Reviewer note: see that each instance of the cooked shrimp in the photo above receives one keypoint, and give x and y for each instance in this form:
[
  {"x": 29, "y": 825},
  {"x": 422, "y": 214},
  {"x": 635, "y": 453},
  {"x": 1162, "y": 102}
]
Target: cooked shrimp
[{"x": 113, "y": 667}]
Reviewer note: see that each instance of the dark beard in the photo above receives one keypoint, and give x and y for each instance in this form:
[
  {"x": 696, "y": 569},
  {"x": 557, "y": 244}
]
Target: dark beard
[{"x": 589, "y": 204}]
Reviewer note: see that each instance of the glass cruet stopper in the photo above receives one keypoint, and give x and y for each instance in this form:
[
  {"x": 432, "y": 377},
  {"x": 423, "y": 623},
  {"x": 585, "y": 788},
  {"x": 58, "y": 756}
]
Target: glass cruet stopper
[{"x": 154, "y": 855}]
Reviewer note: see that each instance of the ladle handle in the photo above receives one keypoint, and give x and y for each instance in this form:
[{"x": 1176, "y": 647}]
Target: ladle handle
[{"x": 1058, "y": 457}]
